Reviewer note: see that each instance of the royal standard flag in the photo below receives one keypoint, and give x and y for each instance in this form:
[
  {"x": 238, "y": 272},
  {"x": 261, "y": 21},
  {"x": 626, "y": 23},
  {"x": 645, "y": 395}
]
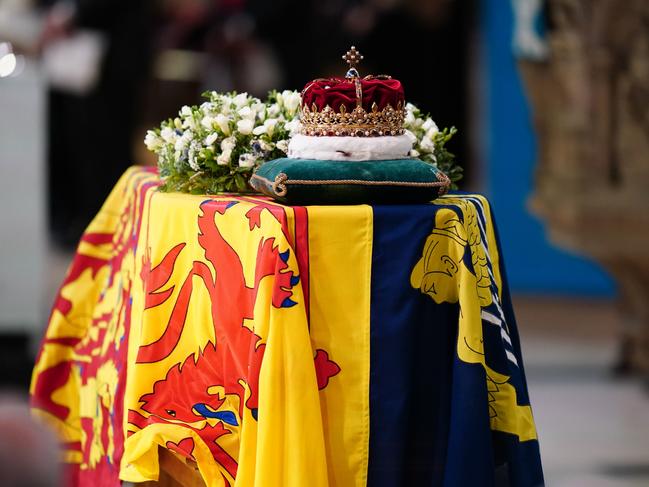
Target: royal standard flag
[{"x": 288, "y": 346}]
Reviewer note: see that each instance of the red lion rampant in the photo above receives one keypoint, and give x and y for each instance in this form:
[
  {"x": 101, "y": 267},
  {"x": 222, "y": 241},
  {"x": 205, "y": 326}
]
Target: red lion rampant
[{"x": 197, "y": 390}]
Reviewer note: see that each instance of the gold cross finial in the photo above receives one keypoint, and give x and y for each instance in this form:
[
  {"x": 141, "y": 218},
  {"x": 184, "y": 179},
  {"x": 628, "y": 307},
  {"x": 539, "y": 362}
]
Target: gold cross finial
[{"x": 352, "y": 57}]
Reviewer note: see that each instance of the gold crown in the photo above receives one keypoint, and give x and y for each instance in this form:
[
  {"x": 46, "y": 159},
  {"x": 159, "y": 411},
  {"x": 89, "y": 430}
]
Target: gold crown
[{"x": 357, "y": 123}]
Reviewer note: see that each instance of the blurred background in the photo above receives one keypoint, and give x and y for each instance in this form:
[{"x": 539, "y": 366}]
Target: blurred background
[{"x": 551, "y": 101}]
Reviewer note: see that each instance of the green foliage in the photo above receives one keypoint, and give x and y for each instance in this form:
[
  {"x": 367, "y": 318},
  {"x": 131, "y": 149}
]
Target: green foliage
[{"x": 444, "y": 159}]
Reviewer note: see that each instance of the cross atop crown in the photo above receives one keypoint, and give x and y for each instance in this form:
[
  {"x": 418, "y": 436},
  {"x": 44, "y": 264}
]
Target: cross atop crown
[{"x": 352, "y": 57}]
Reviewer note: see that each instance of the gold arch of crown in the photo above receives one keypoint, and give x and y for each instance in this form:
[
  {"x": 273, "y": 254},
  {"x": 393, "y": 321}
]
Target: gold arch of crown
[{"x": 359, "y": 122}]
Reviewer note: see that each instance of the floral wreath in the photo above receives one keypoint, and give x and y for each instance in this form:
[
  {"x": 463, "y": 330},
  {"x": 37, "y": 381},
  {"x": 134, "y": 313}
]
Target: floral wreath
[{"x": 214, "y": 148}]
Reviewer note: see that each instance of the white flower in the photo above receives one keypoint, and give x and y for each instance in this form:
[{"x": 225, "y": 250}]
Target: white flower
[
  {"x": 224, "y": 158},
  {"x": 267, "y": 128},
  {"x": 228, "y": 144},
  {"x": 168, "y": 135},
  {"x": 186, "y": 111},
  {"x": 190, "y": 123},
  {"x": 246, "y": 113},
  {"x": 223, "y": 122},
  {"x": 240, "y": 100},
  {"x": 265, "y": 146},
  {"x": 179, "y": 160},
  {"x": 208, "y": 122},
  {"x": 294, "y": 126},
  {"x": 283, "y": 146},
  {"x": 225, "y": 107},
  {"x": 427, "y": 144},
  {"x": 210, "y": 139},
  {"x": 431, "y": 134},
  {"x": 152, "y": 141},
  {"x": 194, "y": 148},
  {"x": 245, "y": 126},
  {"x": 273, "y": 110},
  {"x": 260, "y": 110},
  {"x": 291, "y": 100},
  {"x": 410, "y": 107},
  {"x": 409, "y": 120},
  {"x": 247, "y": 160},
  {"x": 430, "y": 126},
  {"x": 184, "y": 140},
  {"x": 413, "y": 153}
]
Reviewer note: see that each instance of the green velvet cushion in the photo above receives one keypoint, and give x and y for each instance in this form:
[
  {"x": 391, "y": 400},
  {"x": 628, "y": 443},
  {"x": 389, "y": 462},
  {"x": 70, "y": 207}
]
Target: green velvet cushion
[{"x": 313, "y": 182}]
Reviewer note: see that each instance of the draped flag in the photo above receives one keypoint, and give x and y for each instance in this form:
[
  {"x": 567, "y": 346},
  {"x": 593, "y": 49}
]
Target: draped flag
[
  {"x": 287, "y": 346},
  {"x": 80, "y": 374}
]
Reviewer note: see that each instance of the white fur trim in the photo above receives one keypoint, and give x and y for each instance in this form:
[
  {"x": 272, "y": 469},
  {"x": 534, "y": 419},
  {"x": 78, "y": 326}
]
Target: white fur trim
[{"x": 349, "y": 148}]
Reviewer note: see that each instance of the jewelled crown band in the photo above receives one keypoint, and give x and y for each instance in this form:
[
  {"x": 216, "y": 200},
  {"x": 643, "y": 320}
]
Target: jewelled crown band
[{"x": 372, "y": 106}]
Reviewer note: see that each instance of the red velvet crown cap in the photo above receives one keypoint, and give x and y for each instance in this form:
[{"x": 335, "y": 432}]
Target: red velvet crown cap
[{"x": 342, "y": 91}]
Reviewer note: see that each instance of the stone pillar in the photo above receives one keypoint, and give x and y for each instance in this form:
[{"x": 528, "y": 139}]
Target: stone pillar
[{"x": 590, "y": 99}]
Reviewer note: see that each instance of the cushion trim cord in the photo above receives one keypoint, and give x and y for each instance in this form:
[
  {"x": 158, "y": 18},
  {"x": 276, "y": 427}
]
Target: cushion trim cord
[{"x": 281, "y": 183}]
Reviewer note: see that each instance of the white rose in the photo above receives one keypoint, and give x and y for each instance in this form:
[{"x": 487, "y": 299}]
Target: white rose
[
  {"x": 283, "y": 146},
  {"x": 223, "y": 158},
  {"x": 240, "y": 100},
  {"x": 245, "y": 126},
  {"x": 247, "y": 160},
  {"x": 168, "y": 135},
  {"x": 223, "y": 122},
  {"x": 247, "y": 113},
  {"x": 210, "y": 139},
  {"x": 152, "y": 141},
  {"x": 228, "y": 144}
]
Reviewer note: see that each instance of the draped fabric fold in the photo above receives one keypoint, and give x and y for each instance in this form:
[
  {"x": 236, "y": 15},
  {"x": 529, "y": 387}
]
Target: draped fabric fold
[{"x": 287, "y": 346}]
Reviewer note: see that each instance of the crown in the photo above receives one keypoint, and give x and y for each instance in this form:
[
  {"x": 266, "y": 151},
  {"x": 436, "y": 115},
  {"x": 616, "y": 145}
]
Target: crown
[{"x": 353, "y": 106}]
